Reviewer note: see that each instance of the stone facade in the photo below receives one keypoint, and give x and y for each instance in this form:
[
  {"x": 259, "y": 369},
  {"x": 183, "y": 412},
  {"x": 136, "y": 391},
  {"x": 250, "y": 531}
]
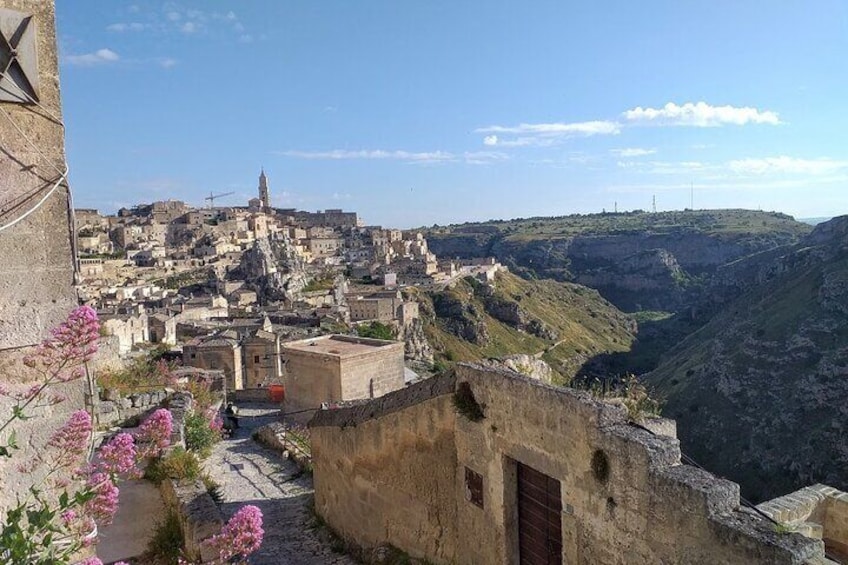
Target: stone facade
[
  {"x": 217, "y": 353},
  {"x": 338, "y": 368},
  {"x": 395, "y": 471},
  {"x": 37, "y": 271}
]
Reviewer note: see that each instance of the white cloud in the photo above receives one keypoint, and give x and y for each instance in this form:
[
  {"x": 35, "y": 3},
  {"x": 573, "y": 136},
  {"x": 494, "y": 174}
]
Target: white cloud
[
  {"x": 121, "y": 27},
  {"x": 340, "y": 154},
  {"x": 632, "y": 152},
  {"x": 101, "y": 56},
  {"x": 786, "y": 165},
  {"x": 173, "y": 16},
  {"x": 598, "y": 127},
  {"x": 490, "y": 140},
  {"x": 700, "y": 114},
  {"x": 189, "y": 27},
  {"x": 424, "y": 157},
  {"x": 167, "y": 62}
]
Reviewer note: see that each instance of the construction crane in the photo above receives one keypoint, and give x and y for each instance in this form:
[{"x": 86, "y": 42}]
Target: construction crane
[{"x": 211, "y": 198}]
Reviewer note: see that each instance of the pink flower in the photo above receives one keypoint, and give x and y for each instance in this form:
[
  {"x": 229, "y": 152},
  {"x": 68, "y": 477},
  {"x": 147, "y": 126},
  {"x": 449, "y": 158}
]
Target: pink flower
[
  {"x": 69, "y": 516},
  {"x": 71, "y": 440},
  {"x": 241, "y": 535},
  {"x": 156, "y": 432},
  {"x": 118, "y": 456},
  {"x": 71, "y": 343},
  {"x": 105, "y": 502},
  {"x": 91, "y": 561}
]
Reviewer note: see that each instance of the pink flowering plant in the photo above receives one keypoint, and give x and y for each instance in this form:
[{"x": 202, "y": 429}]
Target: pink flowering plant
[{"x": 58, "y": 516}]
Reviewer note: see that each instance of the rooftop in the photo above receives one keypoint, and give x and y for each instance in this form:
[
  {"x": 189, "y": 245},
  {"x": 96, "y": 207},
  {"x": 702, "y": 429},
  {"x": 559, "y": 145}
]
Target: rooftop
[{"x": 341, "y": 346}]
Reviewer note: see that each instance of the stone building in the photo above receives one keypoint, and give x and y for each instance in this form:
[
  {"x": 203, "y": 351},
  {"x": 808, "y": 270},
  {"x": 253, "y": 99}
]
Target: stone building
[
  {"x": 36, "y": 227},
  {"x": 130, "y": 329},
  {"x": 491, "y": 467},
  {"x": 338, "y": 368},
  {"x": 262, "y": 363},
  {"x": 218, "y": 353}
]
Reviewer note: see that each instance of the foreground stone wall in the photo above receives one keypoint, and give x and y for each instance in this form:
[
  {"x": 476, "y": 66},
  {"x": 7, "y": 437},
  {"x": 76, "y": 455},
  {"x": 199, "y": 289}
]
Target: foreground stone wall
[
  {"x": 36, "y": 262},
  {"x": 37, "y": 267},
  {"x": 390, "y": 479},
  {"x": 393, "y": 471}
]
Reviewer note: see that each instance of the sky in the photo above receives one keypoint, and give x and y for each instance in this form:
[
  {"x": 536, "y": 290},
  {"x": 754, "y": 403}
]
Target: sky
[{"x": 421, "y": 112}]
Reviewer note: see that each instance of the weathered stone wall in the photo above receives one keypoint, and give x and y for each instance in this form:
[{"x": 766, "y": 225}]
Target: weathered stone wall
[
  {"x": 377, "y": 373},
  {"x": 36, "y": 262},
  {"x": 390, "y": 479},
  {"x": 393, "y": 471},
  {"x": 310, "y": 380},
  {"x": 37, "y": 267},
  {"x": 198, "y": 514}
]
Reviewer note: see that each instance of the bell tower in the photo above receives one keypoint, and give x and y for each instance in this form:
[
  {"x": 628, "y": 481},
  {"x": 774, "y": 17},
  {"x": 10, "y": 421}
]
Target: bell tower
[{"x": 263, "y": 192}]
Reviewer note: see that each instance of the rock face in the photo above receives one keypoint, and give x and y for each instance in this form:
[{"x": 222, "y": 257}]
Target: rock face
[
  {"x": 273, "y": 269},
  {"x": 461, "y": 318},
  {"x": 637, "y": 261},
  {"x": 760, "y": 392},
  {"x": 527, "y": 365},
  {"x": 416, "y": 346}
]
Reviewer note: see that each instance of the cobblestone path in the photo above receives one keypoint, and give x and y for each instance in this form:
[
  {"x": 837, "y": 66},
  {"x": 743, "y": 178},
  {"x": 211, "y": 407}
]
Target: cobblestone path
[{"x": 251, "y": 474}]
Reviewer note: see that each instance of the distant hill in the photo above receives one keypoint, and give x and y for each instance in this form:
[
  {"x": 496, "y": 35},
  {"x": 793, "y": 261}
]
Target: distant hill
[
  {"x": 561, "y": 323},
  {"x": 637, "y": 260},
  {"x": 814, "y": 221},
  {"x": 760, "y": 392}
]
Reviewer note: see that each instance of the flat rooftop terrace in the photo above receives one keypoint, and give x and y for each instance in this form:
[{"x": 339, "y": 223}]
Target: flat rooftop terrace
[{"x": 341, "y": 346}]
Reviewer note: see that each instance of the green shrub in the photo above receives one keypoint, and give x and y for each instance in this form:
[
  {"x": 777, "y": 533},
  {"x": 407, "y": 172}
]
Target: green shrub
[
  {"x": 376, "y": 330},
  {"x": 166, "y": 545},
  {"x": 179, "y": 465},
  {"x": 199, "y": 437}
]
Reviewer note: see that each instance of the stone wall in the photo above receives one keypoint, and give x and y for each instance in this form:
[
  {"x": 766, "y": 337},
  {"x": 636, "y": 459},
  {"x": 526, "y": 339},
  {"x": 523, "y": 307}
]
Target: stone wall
[
  {"x": 37, "y": 268},
  {"x": 390, "y": 479},
  {"x": 393, "y": 470},
  {"x": 198, "y": 514},
  {"x": 375, "y": 374},
  {"x": 310, "y": 380},
  {"x": 818, "y": 511},
  {"x": 36, "y": 260}
]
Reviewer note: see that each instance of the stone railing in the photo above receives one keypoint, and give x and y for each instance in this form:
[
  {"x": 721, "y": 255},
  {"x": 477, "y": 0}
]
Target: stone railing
[
  {"x": 199, "y": 516},
  {"x": 289, "y": 444},
  {"x": 113, "y": 409},
  {"x": 817, "y": 511}
]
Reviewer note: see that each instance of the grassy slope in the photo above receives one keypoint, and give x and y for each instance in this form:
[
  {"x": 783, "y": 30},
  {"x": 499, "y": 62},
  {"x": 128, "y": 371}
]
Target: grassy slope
[
  {"x": 585, "y": 323},
  {"x": 729, "y": 224}
]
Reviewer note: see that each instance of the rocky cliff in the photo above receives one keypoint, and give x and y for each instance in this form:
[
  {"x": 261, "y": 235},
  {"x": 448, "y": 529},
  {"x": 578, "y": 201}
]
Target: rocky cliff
[
  {"x": 273, "y": 269},
  {"x": 760, "y": 392},
  {"x": 637, "y": 260}
]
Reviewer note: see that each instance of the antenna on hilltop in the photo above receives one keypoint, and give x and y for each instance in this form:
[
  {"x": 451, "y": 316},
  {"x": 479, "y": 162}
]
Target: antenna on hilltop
[
  {"x": 654, "y": 204},
  {"x": 691, "y": 195}
]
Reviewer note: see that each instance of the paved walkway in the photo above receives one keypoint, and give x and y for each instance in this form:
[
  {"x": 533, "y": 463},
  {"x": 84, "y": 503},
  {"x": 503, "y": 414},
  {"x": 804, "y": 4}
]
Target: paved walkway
[{"x": 251, "y": 474}]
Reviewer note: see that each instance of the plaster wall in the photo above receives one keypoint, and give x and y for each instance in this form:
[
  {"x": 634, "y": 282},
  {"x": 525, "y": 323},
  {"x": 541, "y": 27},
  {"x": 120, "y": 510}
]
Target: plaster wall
[
  {"x": 374, "y": 374},
  {"x": 311, "y": 379}
]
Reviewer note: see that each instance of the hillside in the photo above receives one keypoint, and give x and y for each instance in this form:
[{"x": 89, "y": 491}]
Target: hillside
[
  {"x": 638, "y": 260},
  {"x": 564, "y": 324},
  {"x": 760, "y": 392}
]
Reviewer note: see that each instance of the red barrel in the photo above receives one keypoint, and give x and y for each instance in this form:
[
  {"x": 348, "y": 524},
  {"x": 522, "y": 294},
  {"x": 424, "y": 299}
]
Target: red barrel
[{"x": 277, "y": 392}]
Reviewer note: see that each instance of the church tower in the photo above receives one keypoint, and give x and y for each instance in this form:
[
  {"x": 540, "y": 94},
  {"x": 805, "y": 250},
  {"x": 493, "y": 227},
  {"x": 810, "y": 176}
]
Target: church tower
[{"x": 263, "y": 192}]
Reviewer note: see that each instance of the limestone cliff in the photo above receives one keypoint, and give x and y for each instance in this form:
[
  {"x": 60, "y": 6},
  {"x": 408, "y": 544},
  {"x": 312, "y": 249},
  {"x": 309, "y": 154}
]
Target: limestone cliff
[
  {"x": 637, "y": 260},
  {"x": 273, "y": 269},
  {"x": 760, "y": 392}
]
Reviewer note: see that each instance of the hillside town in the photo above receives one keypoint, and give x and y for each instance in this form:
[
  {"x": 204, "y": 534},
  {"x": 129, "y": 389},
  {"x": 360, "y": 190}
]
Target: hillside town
[{"x": 225, "y": 288}]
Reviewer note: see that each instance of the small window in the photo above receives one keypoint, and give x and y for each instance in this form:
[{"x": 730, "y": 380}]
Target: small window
[
  {"x": 256, "y": 358},
  {"x": 474, "y": 487}
]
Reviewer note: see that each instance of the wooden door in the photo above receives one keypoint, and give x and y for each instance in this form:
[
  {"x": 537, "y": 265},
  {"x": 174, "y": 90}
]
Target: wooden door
[{"x": 539, "y": 518}]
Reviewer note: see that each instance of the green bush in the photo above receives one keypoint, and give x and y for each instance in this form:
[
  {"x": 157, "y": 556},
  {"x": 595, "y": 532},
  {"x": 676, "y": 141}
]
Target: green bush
[
  {"x": 179, "y": 465},
  {"x": 376, "y": 330},
  {"x": 166, "y": 545},
  {"x": 199, "y": 437}
]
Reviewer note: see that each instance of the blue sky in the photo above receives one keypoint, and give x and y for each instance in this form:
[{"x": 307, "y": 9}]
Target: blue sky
[{"x": 421, "y": 112}]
